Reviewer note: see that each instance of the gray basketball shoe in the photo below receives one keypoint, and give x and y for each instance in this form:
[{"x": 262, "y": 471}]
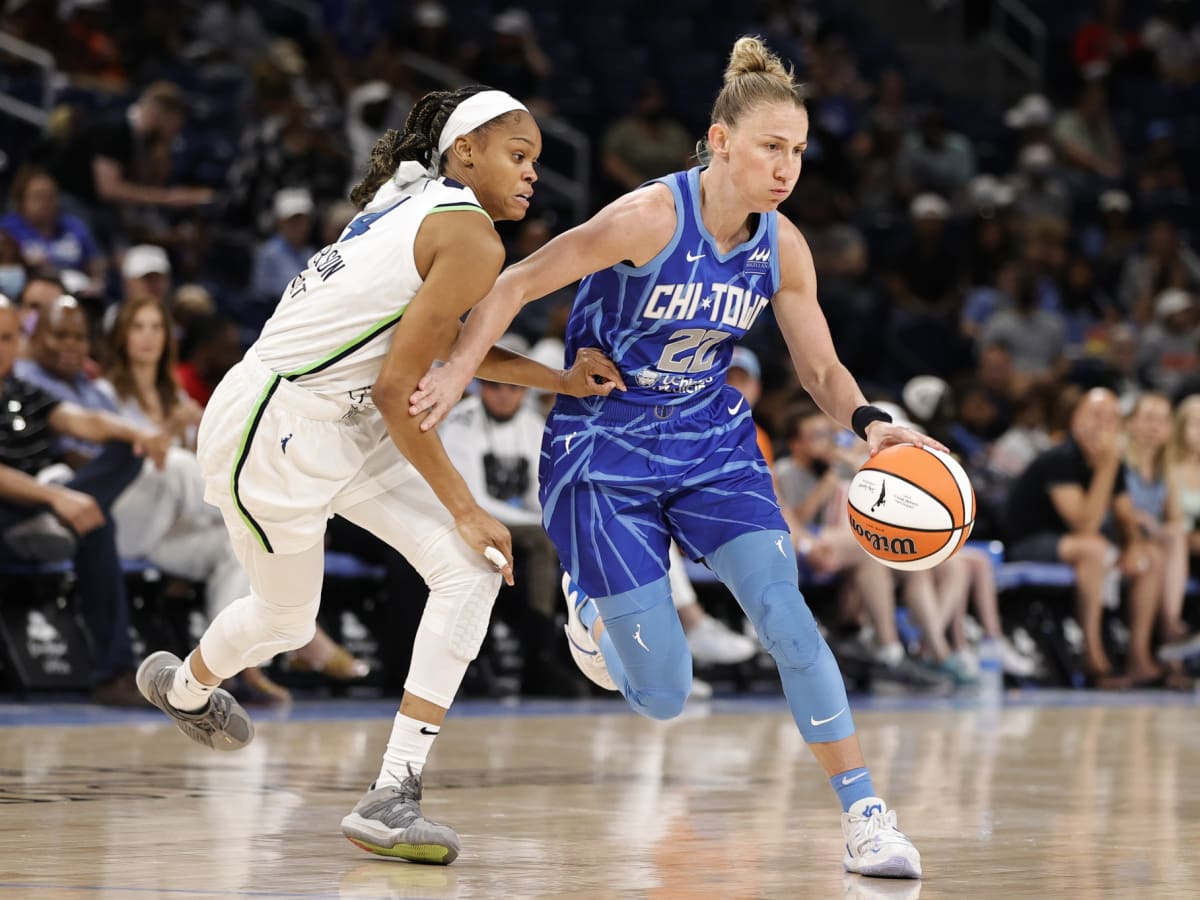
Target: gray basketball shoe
[
  {"x": 221, "y": 725},
  {"x": 388, "y": 821}
]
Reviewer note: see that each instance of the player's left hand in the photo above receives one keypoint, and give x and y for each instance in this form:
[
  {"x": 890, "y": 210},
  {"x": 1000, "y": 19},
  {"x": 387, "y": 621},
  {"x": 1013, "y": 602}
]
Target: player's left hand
[
  {"x": 592, "y": 374},
  {"x": 881, "y": 435}
]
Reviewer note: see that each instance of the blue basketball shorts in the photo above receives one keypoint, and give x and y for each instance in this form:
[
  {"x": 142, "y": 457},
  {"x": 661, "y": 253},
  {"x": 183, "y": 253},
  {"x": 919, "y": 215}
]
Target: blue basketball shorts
[{"x": 618, "y": 484}]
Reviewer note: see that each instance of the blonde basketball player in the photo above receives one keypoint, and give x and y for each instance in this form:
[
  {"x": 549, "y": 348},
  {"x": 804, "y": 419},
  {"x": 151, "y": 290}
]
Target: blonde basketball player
[
  {"x": 672, "y": 275},
  {"x": 313, "y": 422}
]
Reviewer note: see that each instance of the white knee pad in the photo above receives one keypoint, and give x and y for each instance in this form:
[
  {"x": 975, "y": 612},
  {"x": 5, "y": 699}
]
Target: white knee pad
[
  {"x": 250, "y": 631},
  {"x": 462, "y": 590}
]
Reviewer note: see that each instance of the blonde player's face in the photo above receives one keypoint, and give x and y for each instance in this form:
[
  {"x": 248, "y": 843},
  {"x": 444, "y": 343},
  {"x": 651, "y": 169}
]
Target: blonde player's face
[
  {"x": 504, "y": 167},
  {"x": 765, "y": 149}
]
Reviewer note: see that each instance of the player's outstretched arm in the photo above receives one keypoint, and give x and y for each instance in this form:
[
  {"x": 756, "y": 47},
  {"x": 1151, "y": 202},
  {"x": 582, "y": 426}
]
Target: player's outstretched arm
[
  {"x": 635, "y": 227},
  {"x": 806, "y": 332}
]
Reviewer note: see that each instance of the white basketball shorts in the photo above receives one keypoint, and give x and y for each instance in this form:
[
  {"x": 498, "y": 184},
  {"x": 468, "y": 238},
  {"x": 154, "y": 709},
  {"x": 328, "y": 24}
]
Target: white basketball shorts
[{"x": 279, "y": 460}]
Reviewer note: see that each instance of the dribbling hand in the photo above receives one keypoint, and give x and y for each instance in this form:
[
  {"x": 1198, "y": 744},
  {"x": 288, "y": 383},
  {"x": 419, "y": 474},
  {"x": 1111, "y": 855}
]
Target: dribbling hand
[
  {"x": 885, "y": 434},
  {"x": 482, "y": 533},
  {"x": 592, "y": 374}
]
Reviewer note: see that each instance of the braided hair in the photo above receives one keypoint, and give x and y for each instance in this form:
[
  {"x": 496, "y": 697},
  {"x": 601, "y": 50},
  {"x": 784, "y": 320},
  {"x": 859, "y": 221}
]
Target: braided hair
[{"x": 418, "y": 141}]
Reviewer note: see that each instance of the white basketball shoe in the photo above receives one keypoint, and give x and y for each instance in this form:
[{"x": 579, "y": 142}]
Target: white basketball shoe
[
  {"x": 874, "y": 845},
  {"x": 584, "y": 649}
]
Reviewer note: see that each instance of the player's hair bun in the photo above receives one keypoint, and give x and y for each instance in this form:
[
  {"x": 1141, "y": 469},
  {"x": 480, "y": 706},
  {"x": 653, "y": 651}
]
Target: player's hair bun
[{"x": 750, "y": 55}]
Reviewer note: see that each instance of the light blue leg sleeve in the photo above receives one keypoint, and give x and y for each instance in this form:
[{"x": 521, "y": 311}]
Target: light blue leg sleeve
[
  {"x": 760, "y": 569},
  {"x": 645, "y": 650}
]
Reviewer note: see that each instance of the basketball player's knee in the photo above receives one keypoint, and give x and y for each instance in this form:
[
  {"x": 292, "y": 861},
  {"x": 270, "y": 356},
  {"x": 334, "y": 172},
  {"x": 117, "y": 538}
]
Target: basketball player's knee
[
  {"x": 660, "y": 703},
  {"x": 459, "y": 608},
  {"x": 289, "y": 627},
  {"x": 787, "y": 628}
]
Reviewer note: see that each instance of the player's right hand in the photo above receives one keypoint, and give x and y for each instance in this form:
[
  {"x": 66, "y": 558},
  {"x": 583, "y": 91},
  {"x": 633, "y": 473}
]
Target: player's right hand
[
  {"x": 79, "y": 511},
  {"x": 437, "y": 392},
  {"x": 481, "y": 531}
]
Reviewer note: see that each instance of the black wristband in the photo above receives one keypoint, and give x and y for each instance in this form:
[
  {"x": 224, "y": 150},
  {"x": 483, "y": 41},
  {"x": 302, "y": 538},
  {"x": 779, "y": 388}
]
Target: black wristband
[{"x": 864, "y": 416}]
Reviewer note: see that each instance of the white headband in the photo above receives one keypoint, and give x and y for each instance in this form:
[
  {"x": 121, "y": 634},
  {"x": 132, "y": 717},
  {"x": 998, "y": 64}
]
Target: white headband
[{"x": 473, "y": 112}]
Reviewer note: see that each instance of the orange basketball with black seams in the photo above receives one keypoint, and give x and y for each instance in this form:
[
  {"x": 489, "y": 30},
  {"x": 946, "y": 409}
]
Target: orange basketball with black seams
[{"x": 910, "y": 507}]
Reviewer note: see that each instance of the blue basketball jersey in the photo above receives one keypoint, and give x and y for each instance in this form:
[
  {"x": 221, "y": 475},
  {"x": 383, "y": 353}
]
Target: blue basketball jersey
[
  {"x": 670, "y": 325},
  {"x": 675, "y": 456}
]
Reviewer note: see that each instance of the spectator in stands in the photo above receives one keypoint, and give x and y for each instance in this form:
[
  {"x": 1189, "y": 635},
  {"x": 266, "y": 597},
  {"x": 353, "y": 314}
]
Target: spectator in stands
[
  {"x": 146, "y": 271},
  {"x": 1167, "y": 262},
  {"x": 1103, "y": 43},
  {"x": 1183, "y": 464},
  {"x": 1087, "y": 140},
  {"x": 13, "y": 268},
  {"x": 1156, "y": 504},
  {"x": 812, "y": 481},
  {"x": 208, "y": 349},
  {"x": 646, "y": 143},
  {"x": 88, "y": 51},
  {"x": 533, "y": 322},
  {"x": 218, "y": 20},
  {"x": 1037, "y": 191},
  {"x": 1035, "y": 335},
  {"x": 926, "y": 273},
  {"x": 992, "y": 242},
  {"x": 103, "y": 163},
  {"x": 1072, "y": 505},
  {"x": 428, "y": 33},
  {"x": 278, "y": 260},
  {"x": 1112, "y": 241},
  {"x": 934, "y": 159},
  {"x": 334, "y": 221},
  {"x": 41, "y": 519},
  {"x": 289, "y": 148},
  {"x": 1162, "y": 183},
  {"x": 891, "y": 113},
  {"x": 1031, "y": 118},
  {"x": 1169, "y": 347},
  {"x": 1027, "y": 436},
  {"x": 1088, "y": 310},
  {"x": 41, "y": 288},
  {"x": 1174, "y": 37},
  {"x": 512, "y": 59},
  {"x": 47, "y": 236}
]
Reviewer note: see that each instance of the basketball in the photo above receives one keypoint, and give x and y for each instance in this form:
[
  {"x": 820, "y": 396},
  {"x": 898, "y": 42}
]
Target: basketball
[{"x": 910, "y": 507}]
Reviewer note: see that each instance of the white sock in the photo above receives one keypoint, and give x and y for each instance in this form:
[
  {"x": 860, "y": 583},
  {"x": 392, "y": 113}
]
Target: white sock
[
  {"x": 188, "y": 693},
  {"x": 408, "y": 746}
]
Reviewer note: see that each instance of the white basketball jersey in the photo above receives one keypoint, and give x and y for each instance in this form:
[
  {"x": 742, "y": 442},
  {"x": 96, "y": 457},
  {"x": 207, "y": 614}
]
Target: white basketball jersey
[{"x": 333, "y": 326}]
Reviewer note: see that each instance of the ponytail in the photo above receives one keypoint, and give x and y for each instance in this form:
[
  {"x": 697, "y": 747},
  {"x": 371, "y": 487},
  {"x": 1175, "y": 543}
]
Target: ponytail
[{"x": 417, "y": 142}]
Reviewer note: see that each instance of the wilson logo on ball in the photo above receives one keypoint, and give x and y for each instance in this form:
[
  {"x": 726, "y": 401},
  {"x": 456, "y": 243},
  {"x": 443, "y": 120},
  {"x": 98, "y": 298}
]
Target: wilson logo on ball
[{"x": 882, "y": 543}]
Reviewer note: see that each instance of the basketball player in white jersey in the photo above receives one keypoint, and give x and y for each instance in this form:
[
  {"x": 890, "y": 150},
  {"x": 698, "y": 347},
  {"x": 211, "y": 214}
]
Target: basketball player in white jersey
[{"x": 313, "y": 422}]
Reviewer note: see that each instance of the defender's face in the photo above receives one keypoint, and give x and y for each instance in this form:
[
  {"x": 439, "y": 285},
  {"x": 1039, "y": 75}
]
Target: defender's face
[
  {"x": 765, "y": 152},
  {"x": 504, "y": 162}
]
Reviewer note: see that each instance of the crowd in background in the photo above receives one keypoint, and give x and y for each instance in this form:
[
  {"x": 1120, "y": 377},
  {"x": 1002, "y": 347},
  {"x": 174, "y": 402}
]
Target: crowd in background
[{"x": 1029, "y": 292}]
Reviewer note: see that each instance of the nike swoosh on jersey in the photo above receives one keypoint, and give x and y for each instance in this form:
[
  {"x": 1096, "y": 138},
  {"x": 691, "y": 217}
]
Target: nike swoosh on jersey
[
  {"x": 691, "y": 258},
  {"x": 826, "y": 721},
  {"x": 733, "y": 409}
]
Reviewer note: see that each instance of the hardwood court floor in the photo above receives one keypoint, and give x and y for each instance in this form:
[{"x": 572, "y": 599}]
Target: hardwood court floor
[{"x": 1047, "y": 801}]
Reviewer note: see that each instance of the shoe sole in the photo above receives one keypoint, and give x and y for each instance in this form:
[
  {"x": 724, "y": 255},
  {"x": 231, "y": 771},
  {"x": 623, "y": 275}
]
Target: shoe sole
[
  {"x": 357, "y": 831},
  {"x": 895, "y": 867}
]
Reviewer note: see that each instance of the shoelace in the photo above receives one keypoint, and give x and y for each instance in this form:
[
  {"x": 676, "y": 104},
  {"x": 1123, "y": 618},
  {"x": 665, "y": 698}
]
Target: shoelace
[
  {"x": 873, "y": 828},
  {"x": 213, "y": 719}
]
